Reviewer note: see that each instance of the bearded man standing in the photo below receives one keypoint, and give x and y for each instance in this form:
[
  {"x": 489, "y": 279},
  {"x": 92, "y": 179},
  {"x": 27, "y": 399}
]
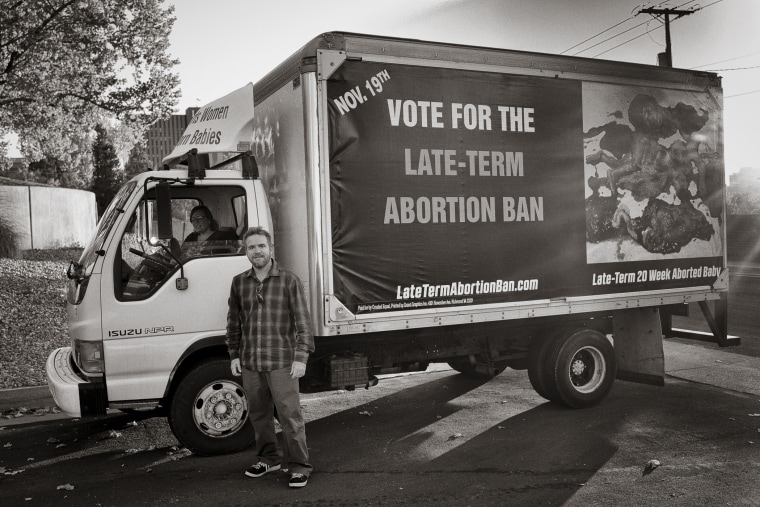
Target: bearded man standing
[{"x": 269, "y": 341}]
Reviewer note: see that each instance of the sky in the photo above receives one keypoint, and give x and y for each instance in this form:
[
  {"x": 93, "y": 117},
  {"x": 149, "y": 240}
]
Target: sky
[{"x": 225, "y": 44}]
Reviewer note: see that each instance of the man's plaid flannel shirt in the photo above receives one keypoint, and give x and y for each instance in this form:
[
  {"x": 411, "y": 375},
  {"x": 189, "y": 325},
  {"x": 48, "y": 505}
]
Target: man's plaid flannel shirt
[{"x": 271, "y": 334}]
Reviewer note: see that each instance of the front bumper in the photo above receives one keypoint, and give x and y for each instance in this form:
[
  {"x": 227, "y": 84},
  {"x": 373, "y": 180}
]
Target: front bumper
[{"x": 74, "y": 395}]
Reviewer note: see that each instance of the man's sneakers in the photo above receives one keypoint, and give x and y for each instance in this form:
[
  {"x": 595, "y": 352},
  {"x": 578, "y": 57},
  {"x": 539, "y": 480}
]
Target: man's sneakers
[
  {"x": 260, "y": 469},
  {"x": 298, "y": 480}
]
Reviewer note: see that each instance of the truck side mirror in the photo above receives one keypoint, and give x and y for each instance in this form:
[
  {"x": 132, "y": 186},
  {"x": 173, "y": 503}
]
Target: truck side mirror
[
  {"x": 250, "y": 167},
  {"x": 164, "y": 211}
]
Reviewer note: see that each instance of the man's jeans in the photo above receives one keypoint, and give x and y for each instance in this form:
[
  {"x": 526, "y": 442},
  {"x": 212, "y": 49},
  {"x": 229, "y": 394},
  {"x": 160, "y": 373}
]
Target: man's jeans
[{"x": 266, "y": 390}]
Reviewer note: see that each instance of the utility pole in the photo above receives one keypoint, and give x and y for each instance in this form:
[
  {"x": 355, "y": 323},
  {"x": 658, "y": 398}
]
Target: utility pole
[{"x": 666, "y": 59}]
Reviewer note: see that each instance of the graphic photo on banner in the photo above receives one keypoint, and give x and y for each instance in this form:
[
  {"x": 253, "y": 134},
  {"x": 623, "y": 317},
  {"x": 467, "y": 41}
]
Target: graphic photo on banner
[{"x": 653, "y": 174}]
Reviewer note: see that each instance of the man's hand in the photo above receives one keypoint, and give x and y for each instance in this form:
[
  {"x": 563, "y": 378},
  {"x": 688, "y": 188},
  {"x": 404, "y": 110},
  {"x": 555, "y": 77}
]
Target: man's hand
[
  {"x": 297, "y": 370},
  {"x": 235, "y": 366}
]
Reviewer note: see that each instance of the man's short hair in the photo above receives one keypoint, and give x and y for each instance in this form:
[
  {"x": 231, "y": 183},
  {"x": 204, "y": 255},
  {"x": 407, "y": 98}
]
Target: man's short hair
[{"x": 260, "y": 231}]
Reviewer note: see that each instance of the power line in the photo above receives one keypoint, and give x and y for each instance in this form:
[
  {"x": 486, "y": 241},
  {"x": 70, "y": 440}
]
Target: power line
[
  {"x": 634, "y": 38},
  {"x": 623, "y": 43},
  {"x": 735, "y": 68},
  {"x": 595, "y": 36},
  {"x": 740, "y": 94},
  {"x": 614, "y": 36},
  {"x": 727, "y": 60},
  {"x": 610, "y": 38},
  {"x": 628, "y": 30}
]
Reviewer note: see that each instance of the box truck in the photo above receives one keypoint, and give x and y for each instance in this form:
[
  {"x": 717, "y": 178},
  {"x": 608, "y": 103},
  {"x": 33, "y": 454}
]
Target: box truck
[{"x": 479, "y": 207}]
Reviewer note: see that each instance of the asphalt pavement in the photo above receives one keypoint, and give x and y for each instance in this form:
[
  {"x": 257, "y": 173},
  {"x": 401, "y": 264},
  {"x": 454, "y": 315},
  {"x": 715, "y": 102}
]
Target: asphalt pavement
[{"x": 696, "y": 363}]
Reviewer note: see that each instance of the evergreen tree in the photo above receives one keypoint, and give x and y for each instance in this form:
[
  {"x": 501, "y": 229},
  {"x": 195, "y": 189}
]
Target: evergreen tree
[
  {"x": 107, "y": 177},
  {"x": 138, "y": 161}
]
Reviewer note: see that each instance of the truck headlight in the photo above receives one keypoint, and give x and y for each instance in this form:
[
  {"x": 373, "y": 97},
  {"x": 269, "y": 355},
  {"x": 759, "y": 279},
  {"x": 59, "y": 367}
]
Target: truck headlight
[{"x": 89, "y": 356}]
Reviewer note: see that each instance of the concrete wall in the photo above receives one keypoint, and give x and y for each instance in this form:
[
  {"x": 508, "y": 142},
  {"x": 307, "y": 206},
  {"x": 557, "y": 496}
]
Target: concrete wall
[{"x": 49, "y": 217}]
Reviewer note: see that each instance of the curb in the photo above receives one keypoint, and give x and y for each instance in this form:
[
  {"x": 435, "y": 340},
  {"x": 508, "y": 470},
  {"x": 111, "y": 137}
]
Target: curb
[
  {"x": 30, "y": 397},
  {"x": 711, "y": 366}
]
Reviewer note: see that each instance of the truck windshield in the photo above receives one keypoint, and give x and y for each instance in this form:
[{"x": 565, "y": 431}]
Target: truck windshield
[{"x": 112, "y": 212}]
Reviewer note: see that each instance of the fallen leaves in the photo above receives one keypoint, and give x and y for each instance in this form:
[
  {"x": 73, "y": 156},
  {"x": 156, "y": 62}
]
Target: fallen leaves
[
  {"x": 14, "y": 413},
  {"x": 33, "y": 323}
]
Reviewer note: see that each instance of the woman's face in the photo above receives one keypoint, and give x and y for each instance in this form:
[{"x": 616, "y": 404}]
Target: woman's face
[{"x": 200, "y": 222}]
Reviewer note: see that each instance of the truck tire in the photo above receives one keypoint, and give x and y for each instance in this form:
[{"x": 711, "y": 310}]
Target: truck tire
[
  {"x": 208, "y": 411},
  {"x": 469, "y": 369},
  {"x": 540, "y": 372},
  {"x": 582, "y": 367}
]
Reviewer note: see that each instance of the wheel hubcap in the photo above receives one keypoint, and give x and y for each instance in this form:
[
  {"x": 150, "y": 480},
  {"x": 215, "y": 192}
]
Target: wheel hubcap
[
  {"x": 587, "y": 369},
  {"x": 221, "y": 408}
]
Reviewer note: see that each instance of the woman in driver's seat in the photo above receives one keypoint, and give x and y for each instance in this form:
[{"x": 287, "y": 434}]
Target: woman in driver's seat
[{"x": 206, "y": 228}]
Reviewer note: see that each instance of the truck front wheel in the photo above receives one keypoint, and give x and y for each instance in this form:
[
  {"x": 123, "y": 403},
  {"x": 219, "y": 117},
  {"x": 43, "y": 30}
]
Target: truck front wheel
[
  {"x": 208, "y": 412},
  {"x": 581, "y": 367}
]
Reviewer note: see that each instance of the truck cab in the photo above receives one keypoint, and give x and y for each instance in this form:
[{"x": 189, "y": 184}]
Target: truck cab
[{"x": 143, "y": 301}]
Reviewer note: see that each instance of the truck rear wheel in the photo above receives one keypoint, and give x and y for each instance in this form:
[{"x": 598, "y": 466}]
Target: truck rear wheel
[
  {"x": 208, "y": 412},
  {"x": 540, "y": 372},
  {"x": 581, "y": 367}
]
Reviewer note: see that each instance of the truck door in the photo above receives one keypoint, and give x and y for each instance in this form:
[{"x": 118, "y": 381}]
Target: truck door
[{"x": 166, "y": 294}]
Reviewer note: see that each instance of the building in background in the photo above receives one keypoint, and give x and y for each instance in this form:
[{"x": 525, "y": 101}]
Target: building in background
[{"x": 164, "y": 134}]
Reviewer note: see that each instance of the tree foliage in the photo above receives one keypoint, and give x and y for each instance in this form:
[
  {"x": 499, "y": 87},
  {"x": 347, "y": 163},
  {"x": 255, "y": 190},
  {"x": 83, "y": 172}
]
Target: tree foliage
[
  {"x": 70, "y": 168},
  {"x": 138, "y": 161},
  {"x": 107, "y": 178},
  {"x": 67, "y": 65},
  {"x": 5, "y": 162},
  {"x": 743, "y": 199}
]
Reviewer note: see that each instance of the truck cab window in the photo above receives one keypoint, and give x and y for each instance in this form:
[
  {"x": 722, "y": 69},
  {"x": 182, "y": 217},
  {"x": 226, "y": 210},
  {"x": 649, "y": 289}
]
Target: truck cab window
[
  {"x": 205, "y": 221},
  {"x": 145, "y": 265}
]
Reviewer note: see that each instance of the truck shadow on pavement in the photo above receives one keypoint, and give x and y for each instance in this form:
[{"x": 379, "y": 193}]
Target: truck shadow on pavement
[
  {"x": 459, "y": 441},
  {"x": 456, "y": 441}
]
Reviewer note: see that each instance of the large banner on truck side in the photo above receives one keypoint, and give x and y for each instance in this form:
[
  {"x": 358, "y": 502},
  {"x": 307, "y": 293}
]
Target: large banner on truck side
[{"x": 452, "y": 187}]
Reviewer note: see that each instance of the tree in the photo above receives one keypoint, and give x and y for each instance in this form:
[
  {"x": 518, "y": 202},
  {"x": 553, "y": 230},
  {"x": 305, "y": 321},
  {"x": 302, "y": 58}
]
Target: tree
[
  {"x": 5, "y": 161},
  {"x": 107, "y": 177},
  {"x": 67, "y": 65},
  {"x": 743, "y": 199},
  {"x": 138, "y": 161},
  {"x": 71, "y": 168}
]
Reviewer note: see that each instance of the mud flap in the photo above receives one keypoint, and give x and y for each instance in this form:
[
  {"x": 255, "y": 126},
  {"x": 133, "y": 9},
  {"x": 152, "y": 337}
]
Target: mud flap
[
  {"x": 93, "y": 398},
  {"x": 637, "y": 335}
]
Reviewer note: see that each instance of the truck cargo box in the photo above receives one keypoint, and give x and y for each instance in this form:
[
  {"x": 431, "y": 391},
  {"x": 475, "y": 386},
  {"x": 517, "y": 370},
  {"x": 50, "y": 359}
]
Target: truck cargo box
[{"x": 448, "y": 184}]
